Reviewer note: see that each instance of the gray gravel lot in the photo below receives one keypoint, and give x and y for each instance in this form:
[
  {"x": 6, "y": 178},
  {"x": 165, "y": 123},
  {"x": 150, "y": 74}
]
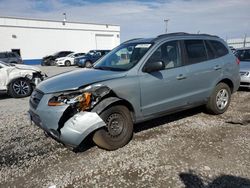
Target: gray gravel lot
[{"x": 187, "y": 149}]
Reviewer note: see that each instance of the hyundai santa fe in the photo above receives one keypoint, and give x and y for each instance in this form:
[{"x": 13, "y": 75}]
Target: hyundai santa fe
[{"x": 139, "y": 80}]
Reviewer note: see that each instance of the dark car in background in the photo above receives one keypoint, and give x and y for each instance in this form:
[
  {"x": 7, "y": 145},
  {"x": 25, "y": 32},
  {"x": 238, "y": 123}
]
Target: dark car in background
[
  {"x": 50, "y": 60},
  {"x": 91, "y": 57},
  {"x": 10, "y": 57}
]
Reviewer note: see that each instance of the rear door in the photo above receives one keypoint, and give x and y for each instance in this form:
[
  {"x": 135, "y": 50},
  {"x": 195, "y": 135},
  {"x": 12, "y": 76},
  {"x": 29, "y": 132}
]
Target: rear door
[
  {"x": 165, "y": 89},
  {"x": 203, "y": 66}
]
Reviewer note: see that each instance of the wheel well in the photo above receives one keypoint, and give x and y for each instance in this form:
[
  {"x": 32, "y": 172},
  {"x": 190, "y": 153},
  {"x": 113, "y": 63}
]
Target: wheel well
[
  {"x": 128, "y": 105},
  {"x": 229, "y": 83}
]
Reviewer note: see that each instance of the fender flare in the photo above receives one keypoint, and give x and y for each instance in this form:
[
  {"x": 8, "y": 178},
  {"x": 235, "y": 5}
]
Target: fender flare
[{"x": 105, "y": 103}]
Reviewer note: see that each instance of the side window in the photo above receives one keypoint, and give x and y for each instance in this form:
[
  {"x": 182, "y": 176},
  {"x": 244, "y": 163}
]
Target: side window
[
  {"x": 195, "y": 50},
  {"x": 219, "y": 48},
  {"x": 12, "y": 55},
  {"x": 210, "y": 52},
  {"x": 3, "y": 55},
  {"x": 168, "y": 53}
]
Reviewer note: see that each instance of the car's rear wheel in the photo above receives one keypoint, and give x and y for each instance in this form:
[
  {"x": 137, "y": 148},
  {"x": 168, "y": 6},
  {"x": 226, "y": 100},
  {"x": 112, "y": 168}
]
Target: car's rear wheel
[
  {"x": 219, "y": 100},
  {"x": 118, "y": 130},
  {"x": 67, "y": 63},
  {"x": 88, "y": 64},
  {"x": 20, "y": 88}
]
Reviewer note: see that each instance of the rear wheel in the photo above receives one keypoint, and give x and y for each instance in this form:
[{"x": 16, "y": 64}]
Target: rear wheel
[
  {"x": 20, "y": 88},
  {"x": 219, "y": 100},
  {"x": 88, "y": 64},
  {"x": 67, "y": 63},
  {"x": 118, "y": 130}
]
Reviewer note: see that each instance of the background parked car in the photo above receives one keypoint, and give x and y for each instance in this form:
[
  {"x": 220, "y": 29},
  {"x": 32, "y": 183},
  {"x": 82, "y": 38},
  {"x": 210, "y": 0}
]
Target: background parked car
[
  {"x": 91, "y": 57},
  {"x": 10, "y": 57},
  {"x": 68, "y": 60},
  {"x": 19, "y": 80},
  {"x": 50, "y": 60},
  {"x": 243, "y": 55}
]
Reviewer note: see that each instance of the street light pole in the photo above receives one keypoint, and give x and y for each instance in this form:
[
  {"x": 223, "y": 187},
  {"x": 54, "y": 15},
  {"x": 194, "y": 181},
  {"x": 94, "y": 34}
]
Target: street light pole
[
  {"x": 166, "y": 22},
  {"x": 65, "y": 18}
]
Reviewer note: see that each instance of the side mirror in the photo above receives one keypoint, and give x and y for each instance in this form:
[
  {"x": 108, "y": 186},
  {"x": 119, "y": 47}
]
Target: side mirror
[{"x": 153, "y": 66}]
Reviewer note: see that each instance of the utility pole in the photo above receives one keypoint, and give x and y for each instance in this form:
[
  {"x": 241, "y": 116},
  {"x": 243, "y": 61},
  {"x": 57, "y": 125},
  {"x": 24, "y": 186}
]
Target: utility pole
[
  {"x": 166, "y": 22},
  {"x": 65, "y": 18},
  {"x": 245, "y": 40}
]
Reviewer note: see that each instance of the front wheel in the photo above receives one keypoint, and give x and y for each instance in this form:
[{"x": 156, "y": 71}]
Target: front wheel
[
  {"x": 67, "y": 63},
  {"x": 219, "y": 100},
  {"x": 20, "y": 88},
  {"x": 118, "y": 130}
]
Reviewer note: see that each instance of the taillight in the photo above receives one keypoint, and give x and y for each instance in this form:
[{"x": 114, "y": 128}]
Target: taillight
[{"x": 237, "y": 61}]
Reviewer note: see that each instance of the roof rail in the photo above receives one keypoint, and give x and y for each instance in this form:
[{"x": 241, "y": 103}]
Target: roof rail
[
  {"x": 182, "y": 33},
  {"x": 172, "y": 34},
  {"x": 132, "y": 40}
]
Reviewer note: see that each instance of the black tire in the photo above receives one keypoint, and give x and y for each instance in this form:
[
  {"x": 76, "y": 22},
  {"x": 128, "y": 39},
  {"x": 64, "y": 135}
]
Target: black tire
[
  {"x": 88, "y": 64},
  {"x": 67, "y": 63},
  {"x": 118, "y": 131},
  {"x": 20, "y": 88},
  {"x": 219, "y": 100},
  {"x": 13, "y": 62}
]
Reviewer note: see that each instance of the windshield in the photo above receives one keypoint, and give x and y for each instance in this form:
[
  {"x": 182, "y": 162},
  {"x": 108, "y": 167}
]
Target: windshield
[
  {"x": 71, "y": 55},
  {"x": 123, "y": 57}
]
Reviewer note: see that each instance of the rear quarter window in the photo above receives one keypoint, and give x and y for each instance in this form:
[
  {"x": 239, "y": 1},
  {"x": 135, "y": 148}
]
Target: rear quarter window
[{"x": 219, "y": 48}]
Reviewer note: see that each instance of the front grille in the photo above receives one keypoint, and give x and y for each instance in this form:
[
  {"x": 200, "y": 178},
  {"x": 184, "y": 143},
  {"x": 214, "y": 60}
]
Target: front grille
[{"x": 35, "y": 98}]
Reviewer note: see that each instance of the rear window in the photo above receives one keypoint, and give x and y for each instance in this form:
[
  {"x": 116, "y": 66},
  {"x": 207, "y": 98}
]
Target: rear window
[
  {"x": 219, "y": 48},
  {"x": 243, "y": 55},
  {"x": 196, "y": 51}
]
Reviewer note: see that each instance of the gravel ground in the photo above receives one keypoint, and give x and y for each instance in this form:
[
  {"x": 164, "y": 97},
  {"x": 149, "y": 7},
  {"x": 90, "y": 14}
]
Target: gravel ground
[{"x": 187, "y": 149}]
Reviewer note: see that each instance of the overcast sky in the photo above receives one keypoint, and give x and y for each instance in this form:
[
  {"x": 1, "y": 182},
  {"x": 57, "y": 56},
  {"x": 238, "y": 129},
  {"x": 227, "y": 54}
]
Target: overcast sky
[{"x": 137, "y": 18}]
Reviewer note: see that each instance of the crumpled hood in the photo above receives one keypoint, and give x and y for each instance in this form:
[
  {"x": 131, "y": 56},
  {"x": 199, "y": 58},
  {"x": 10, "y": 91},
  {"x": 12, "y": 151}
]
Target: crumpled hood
[
  {"x": 74, "y": 79},
  {"x": 28, "y": 67},
  {"x": 245, "y": 66}
]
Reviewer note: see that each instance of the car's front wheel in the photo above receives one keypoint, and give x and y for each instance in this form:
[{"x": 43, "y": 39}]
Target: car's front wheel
[
  {"x": 219, "y": 100},
  {"x": 118, "y": 130},
  {"x": 67, "y": 63},
  {"x": 20, "y": 88}
]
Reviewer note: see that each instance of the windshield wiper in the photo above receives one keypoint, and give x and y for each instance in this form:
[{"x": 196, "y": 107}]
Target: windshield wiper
[{"x": 109, "y": 68}]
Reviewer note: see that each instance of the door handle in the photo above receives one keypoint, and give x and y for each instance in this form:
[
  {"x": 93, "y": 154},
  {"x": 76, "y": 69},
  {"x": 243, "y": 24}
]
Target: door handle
[
  {"x": 181, "y": 77},
  {"x": 217, "y": 67}
]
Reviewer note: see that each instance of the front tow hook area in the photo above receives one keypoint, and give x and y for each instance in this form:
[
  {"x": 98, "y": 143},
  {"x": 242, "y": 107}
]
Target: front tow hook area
[{"x": 54, "y": 134}]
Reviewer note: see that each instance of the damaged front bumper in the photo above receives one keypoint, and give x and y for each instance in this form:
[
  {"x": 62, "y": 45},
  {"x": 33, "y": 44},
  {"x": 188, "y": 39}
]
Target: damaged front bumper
[{"x": 73, "y": 130}]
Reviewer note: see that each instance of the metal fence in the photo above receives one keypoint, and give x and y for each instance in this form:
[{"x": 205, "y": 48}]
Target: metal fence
[{"x": 239, "y": 42}]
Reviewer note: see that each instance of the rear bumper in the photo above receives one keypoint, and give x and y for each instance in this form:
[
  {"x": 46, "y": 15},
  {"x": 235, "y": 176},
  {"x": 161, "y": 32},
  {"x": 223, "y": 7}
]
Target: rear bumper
[{"x": 245, "y": 81}]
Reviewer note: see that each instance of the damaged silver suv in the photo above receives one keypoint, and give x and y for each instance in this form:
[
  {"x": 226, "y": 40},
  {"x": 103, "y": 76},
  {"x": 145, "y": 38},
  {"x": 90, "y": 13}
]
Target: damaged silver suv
[{"x": 139, "y": 80}]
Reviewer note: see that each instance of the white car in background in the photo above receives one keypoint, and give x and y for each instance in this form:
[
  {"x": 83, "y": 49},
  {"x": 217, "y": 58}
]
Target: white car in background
[
  {"x": 19, "y": 80},
  {"x": 68, "y": 60}
]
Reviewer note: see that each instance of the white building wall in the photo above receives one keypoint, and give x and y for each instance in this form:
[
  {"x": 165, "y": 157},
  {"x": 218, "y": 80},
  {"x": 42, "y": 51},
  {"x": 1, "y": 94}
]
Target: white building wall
[{"x": 37, "y": 38}]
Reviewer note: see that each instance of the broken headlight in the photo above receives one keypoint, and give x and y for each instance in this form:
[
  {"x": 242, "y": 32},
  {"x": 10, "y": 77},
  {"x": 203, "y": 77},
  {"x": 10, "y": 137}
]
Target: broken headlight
[
  {"x": 83, "y": 99},
  {"x": 79, "y": 100}
]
